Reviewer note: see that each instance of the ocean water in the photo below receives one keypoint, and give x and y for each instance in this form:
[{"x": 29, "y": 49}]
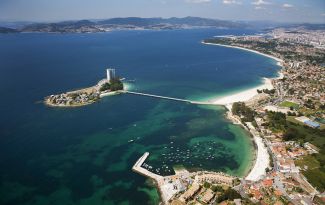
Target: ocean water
[{"x": 84, "y": 155}]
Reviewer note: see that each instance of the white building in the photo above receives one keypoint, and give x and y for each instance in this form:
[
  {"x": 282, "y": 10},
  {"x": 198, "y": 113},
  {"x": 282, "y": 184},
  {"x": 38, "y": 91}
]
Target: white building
[{"x": 110, "y": 74}]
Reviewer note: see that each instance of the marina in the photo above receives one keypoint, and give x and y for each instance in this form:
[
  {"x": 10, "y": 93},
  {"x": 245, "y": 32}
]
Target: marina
[
  {"x": 171, "y": 185},
  {"x": 139, "y": 169}
]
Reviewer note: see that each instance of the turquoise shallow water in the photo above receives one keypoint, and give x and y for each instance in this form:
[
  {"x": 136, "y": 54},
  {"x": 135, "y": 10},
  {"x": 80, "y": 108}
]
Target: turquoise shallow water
[{"x": 84, "y": 155}]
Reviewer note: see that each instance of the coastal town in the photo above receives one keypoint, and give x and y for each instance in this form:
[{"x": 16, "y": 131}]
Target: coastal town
[
  {"x": 108, "y": 86},
  {"x": 285, "y": 118}
]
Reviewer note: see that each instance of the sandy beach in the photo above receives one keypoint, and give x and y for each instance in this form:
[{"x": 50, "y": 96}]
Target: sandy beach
[
  {"x": 246, "y": 49},
  {"x": 262, "y": 155},
  {"x": 243, "y": 95},
  {"x": 248, "y": 94},
  {"x": 262, "y": 161}
]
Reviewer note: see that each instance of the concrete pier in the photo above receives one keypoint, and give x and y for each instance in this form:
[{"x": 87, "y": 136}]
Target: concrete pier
[
  {"x": 169, "y": 98},
  {"x": 166, "y": 189},
  {"x": 137, "y": 168}
]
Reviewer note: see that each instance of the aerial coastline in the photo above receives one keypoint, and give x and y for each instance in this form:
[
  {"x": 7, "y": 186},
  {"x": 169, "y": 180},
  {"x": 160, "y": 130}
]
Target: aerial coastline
[
  {"x": 262, "y": 157},
  {"x": 246, "y": 49},
  {"x": 258, "y": 166},
  {"x": 268, "y": 113}
]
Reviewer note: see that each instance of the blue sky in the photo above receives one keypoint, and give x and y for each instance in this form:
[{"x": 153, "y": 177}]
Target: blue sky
[{"x": 58, "y": 10}]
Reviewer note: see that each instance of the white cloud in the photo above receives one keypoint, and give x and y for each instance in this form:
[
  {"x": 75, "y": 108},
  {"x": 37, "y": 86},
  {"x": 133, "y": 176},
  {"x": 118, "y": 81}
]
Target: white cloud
[
  {"x": 259, "y": 8},
  {"x": 287, "y": 6},
  {"x": 260, "y": 2},
  {"x": 231, "y": 2},
  {"x": 197, "y": 1},
  {"x": 323, "y": 14}
]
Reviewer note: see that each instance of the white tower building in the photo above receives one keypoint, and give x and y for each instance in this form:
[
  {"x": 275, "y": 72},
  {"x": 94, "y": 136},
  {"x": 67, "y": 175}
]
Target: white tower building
[{"x": 110, "y": 74}]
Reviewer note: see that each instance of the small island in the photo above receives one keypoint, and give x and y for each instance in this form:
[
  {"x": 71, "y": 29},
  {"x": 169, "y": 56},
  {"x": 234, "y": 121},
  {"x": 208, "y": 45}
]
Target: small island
[{"x": 111, "y": 85}]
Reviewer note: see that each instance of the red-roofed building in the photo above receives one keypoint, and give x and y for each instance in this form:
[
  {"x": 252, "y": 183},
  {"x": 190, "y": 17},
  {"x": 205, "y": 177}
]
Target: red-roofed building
[
  {"x": 257, "y": 194},
  {"x": 278, "y": 192},
  {"x": 267, "y": 182}
]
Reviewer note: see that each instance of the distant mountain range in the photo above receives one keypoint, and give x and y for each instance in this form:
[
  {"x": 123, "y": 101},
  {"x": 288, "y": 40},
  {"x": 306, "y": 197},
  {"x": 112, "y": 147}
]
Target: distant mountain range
[
  {"x": 8, "y": 30},
  {"x": 132, "y": 23},
  {"x": 136, "y": 23}
]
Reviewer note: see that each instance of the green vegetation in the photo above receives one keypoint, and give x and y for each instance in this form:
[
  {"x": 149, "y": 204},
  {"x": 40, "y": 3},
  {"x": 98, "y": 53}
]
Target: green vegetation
[
  {"x": 290, "y": 105},
  {"x": 309, "y": 104},
  {"x": 245, "y": 113},
  {"x": 105, "y": 87},
  {"x": 114, "y": 85},
  {"x": 316, "y": 177},
  {"x": 267, "y": 91},
  {"x": 276, "y": 121},
  {"x": 302, "y": 133},
  {"x": 206, "y": 185},
  {"x": 309, "y": 161},
  {"x": 284, "y": 200},
  {"x": 229, "y": 194},
  {"x": 216, "y": 188},
  {"x": 315, "y": 172}
]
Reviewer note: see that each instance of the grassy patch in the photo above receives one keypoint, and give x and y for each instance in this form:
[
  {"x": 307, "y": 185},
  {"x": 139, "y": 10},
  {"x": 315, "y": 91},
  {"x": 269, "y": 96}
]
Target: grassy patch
[
  {"x": 316, "y": 177},
  {"x": 315, "y": 173},
  {"x": 309, "y": 161},
  {"x": 293, "y": 120},
  {"x": 289, "y": 104},
  {"x": 308, "y": 134}
]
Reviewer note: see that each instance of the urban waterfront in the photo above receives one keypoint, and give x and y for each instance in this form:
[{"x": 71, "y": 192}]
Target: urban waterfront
[{"x": 84, "y": 155}]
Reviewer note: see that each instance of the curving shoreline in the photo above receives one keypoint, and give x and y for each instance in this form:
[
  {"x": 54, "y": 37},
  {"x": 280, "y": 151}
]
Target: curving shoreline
[
  {"x": 262, "y": 157},
  {"x": 247, "y": 94},
  {"x": 246, "y": 49}
]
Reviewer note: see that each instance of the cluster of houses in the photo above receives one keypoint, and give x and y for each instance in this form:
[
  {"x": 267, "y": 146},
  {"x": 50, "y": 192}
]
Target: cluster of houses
[
  {"x": 279, "y": 188},
  {"x": 303, "y": 82},
  {"x": 314, "y": 38},
  {"x": 72, "y": 99},
  {"x": 195, "y": 191}
]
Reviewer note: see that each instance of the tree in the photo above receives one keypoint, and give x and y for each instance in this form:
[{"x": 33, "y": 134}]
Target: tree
[
  {"x": 104, "y": 87},
  {"x": 240, "y": 109},
  {"x": 206, "y": 185},
  {"x": 116, "y": 84},
  {"x": 229, "y": 194},
  {"x": 216, "y": 188}
]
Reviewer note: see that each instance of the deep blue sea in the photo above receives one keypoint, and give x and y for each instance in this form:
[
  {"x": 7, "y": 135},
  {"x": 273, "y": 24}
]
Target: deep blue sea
[{"x": 84, "y": 155}]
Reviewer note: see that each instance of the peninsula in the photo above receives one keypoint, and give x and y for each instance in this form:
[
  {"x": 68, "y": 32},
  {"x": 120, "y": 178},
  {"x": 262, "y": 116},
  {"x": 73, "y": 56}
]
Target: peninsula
[{"x": 111, "y": 85}]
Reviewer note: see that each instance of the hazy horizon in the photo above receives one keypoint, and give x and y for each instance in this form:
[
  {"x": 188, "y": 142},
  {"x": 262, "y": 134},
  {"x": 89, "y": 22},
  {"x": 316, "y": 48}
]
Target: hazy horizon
[
  {"x": 282, "y": 11},
  {"x": 99, "y": 19}
]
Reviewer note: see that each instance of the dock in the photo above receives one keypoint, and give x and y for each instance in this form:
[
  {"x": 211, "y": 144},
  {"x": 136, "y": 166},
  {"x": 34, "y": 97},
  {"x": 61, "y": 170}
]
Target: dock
[
  {"x": 137, "y": 168},
  {"x": 168, "y": 98},
  {"x": 166, "y": 189}
]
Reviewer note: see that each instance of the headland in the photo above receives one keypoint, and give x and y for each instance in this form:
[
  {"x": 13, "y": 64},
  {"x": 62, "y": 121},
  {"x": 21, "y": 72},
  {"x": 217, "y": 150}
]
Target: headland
[{"x": 108, "y": 86}]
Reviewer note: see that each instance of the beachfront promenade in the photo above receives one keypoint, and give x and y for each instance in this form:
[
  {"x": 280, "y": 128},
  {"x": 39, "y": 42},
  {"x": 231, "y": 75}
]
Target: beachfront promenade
[{"x": 168, "y": 98}]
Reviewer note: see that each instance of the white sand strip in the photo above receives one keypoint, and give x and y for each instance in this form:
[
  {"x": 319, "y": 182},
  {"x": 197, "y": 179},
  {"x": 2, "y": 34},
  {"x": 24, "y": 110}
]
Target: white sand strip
[
  {"x": 246, "y": 49},
  {"x": 261, "y": 163},
  {"x": 243, "y": 95}
]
